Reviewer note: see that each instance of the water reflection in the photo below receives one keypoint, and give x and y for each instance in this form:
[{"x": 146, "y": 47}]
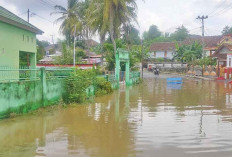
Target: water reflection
[{"x": 150, "y": 119}]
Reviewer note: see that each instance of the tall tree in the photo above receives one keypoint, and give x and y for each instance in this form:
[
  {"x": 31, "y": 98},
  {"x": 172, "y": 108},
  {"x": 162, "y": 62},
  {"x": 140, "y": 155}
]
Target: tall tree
[
  {"x": 131, "y": 35},
  {"x": 70, "y": 17},
  {"x": 152, "y": 33},
  {"x": 112, "y": 15},
  {"x": 180, "y": 34},
  {"x": 227, "y": 30}
]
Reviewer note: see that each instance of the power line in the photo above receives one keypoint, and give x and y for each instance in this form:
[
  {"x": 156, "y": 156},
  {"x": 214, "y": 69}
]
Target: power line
[
  {"x": 46, "y": 4},
  {"x": 217, "y": 7},
  {"x": 225, "y": 9}
]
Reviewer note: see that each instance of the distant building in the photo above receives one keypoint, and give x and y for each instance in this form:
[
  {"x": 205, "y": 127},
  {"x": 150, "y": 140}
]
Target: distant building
[
  {"x": 211, "y": 43},
  {"x": 50, "y": 58},
  {"x": 164, "y": 50},
  {"x": 224, "y": 55},
  {"x": 93, "y": 58},
  {"x": 167, "y": 50},
  {"x": 17, "y": 38}
]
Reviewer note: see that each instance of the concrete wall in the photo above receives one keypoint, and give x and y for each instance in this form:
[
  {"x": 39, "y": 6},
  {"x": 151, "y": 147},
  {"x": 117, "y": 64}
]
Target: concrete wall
[
  {"x": 25, "y": 96},
  {"x": 12, "y": 41}
]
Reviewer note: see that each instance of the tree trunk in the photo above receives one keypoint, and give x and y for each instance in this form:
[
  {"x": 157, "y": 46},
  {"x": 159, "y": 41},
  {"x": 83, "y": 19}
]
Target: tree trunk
[{"x": 112, "y": 30}]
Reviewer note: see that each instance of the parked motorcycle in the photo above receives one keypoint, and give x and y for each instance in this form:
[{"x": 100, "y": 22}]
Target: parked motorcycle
[{"x": 156, "y": 71}]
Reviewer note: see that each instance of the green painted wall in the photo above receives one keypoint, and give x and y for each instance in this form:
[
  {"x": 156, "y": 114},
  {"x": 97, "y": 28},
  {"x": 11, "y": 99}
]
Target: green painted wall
[
  {"x": 12, "y": 41},
  {"x": 25, "y": 96}
]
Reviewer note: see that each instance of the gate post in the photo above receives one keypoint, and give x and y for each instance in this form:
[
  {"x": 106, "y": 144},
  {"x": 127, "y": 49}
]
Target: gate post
[
  {"x": 128, "y": 73},
  {"x": 117, "y": 68}
]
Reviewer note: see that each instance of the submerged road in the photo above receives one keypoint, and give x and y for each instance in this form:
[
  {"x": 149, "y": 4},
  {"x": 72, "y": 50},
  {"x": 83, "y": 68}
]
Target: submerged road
[{"x": 152, "y": 119}]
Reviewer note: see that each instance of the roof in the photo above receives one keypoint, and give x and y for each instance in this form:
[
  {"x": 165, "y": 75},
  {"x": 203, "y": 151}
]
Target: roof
[
  {"x": 210, "y": 41},
  {"x": 163, "y": 46},
  {"x": 8, "y": 17},
  {"x": 217, "y": 54}
]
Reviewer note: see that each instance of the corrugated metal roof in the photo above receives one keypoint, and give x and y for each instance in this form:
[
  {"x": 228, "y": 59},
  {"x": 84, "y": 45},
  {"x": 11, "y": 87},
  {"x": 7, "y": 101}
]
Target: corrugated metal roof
[{"x": 13, "y": 19}]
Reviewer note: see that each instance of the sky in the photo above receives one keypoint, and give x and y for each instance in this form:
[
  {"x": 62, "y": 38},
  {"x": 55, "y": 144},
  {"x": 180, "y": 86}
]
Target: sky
[{"x": 166, "y": 14}]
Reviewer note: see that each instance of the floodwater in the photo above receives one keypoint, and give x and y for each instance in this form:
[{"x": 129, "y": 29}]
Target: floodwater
[{"x": 152, "y": 119}]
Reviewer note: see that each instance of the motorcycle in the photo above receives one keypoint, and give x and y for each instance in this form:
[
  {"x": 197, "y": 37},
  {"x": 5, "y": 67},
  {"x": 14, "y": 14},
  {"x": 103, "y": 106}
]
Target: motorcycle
[{"x": 156, "y": 71}]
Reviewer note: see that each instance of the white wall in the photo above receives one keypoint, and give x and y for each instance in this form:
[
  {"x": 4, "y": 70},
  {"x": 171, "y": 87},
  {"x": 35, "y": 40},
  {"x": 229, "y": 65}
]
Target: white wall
[
  {"x": 170, "y": 55},
  {"x": 151, "y": 55},
  {"x": 159, "y": 54}
]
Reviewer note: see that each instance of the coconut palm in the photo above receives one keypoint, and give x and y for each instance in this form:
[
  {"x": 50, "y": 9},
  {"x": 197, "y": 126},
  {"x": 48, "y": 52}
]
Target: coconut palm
[
  {"x": 111, "y": 15},
  {"x": 70, "y": 17}
]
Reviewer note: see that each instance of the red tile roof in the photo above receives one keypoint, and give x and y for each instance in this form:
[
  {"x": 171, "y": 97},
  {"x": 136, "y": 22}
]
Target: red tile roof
[
  {"x": 210, "y": 41},
  {"x": 163, "y": 46}
]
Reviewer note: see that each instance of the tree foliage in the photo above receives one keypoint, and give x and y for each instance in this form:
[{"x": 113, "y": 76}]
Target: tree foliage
[
  {"x": 180, "y": 34},
  {"x": 227, "y": 30},
  {"x": 152, "y": 33},
  {"x": 76, "y": 85},
  {"x": 188, "y": 53}
]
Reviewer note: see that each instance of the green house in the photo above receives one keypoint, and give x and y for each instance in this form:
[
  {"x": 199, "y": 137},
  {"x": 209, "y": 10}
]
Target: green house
[{"x": 17, "y": 38}]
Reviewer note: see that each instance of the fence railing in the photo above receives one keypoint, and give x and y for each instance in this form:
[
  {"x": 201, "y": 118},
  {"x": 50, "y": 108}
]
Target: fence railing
[
  {"x": 8, "y": 74},
  {"x": 12, "y": 74},
  {"x": 58, "y": 73}
]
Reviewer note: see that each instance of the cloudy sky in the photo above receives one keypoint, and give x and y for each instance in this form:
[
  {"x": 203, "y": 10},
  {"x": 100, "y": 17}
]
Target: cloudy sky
[{"x": 166, "y": 14}]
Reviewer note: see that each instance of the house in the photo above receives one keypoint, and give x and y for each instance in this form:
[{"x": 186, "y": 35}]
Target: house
[
  {"x": 17, "y": 38},
  {"x": 211, "y": 43},
  {"x": 93, "y": 58},
  {"x": 164, "y": 50},
  {"x": 167, "y": 50},
  {"x": 49, "y": 58},
  {"x": 224, "y": 55}
]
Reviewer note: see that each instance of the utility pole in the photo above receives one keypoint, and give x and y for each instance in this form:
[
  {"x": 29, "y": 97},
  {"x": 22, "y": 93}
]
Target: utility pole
[
  {"x": 74, "y": 46},
  {"x": 28, "y": 15},
  {"x": 202, "y": 19}
]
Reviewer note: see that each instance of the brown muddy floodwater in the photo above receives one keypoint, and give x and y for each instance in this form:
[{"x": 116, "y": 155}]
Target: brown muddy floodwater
[{"x": 152, "y": 119}]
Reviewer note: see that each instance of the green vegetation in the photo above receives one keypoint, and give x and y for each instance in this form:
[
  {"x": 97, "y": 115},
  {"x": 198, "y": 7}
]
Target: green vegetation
[
  {"x": 152, "y": 33},
  {"x": 103, "y": 87},
  {"x": 188, "y": 53},
  {"x": 79, "y": 80},
  {"x": 76, "y": 85},
  {"x": 192, "y": 54},
  {"x": 227, "y": 30}
]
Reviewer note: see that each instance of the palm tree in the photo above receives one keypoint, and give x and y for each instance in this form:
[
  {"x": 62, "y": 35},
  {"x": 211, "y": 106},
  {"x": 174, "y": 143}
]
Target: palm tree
[
  {"x": 69, "y": 18},
  {"x": 111, "y": 15}
]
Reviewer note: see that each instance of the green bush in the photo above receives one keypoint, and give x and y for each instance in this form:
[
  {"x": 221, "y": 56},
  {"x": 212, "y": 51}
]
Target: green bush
[
  {"x": 76, "y": 85},
  {"x": 103, "y": 87}
]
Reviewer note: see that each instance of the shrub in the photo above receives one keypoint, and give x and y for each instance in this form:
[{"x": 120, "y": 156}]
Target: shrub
[
  {"x": 103, "y": 87},
  {"x": 76, "y": 85}
]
